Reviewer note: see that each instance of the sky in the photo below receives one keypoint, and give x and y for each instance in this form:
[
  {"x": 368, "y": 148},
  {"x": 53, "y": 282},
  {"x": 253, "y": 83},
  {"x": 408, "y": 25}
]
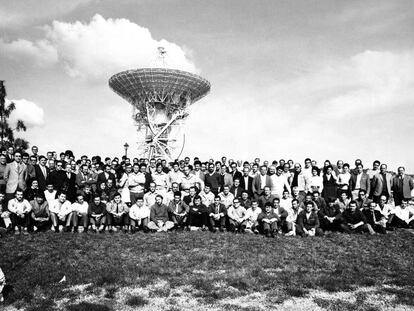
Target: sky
[{"x": 289, "y": 79}]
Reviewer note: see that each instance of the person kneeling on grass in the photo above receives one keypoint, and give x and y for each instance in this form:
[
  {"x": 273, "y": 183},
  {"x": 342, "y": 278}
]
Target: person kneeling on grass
[
  {"x": 40, "y": 213},
  {"x": 61, "y": 212},
  {"x": 252, "y": 224},
  {"x": 117, "y": 214},
  {"x": 308, "y": 222},
  {"x": 374, "y": 218},
  {"x": 237, "y": 214},
  {"x": 159, "y": 216},
  {"x": 139, "y": 215},
  {"x": 97, "y": 214},
  {"x": 217, "y": 215},
  {"x": 178, "y": 211},
  {"x": 292, "y": 217},
  {"x": 354, "y": 221},
  {"x": 19, "y": 209},
  {"x": 268, "y": 220},
  {"x": 80, "y": 213}
]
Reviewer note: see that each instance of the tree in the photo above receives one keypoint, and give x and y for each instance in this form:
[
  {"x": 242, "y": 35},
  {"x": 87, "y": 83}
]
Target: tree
[{"x": 6, "y": 132}]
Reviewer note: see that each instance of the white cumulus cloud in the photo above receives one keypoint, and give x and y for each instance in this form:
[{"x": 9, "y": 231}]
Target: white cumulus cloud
[
  {"x": 29, "y": 112},
  {"x": 99, "y": 49}
]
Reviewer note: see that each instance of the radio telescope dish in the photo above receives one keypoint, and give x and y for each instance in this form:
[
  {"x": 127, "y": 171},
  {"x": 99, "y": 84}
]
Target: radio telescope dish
[{"x": 160, "y": 98}]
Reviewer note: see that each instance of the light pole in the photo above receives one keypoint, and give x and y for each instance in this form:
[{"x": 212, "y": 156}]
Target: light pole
[{"x": 126, "y": 146}]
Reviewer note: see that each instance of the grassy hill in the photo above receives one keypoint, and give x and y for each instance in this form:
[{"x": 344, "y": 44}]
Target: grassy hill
[{"x": 205, "y": 271}]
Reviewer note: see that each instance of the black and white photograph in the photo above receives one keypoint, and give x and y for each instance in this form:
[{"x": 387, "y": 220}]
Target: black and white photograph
[{"x": 183, "y": 155}]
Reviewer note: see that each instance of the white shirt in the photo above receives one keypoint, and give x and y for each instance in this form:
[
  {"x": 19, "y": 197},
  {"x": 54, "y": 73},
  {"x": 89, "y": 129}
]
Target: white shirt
[
  {"x": 50, "y": 196},
  {"x": 292, "y": 214},
  {"x": 236, "y": 213},
  {"x": 246, "y": 182},
  {"x": 251, "y": 215},
  {"x": 149, "y": 198},
  {"x": 136, "y": 181},
  {"x": 17, "y": 207},
  {"x": 136, "y": 212},
  {"x": 61, "y": 209},
  {"x": 358, "y": 181},
  {"x": 262, "y": 181},
  {"x": 227, "y": 200},
  {"x": 80, "y": 208},
  {"x": 406, "y": 214},
  {"x": 175, "y": 176},
  {"x": 207, "y": 198},
  {"x": 278, "y": 184},
  {"x": 161, "y": 180},
  {"x": 316, "y": 183},
  {"x": 286, "y": 203}
]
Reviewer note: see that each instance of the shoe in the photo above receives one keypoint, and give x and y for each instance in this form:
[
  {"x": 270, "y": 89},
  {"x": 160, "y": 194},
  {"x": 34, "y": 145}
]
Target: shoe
[{"x": 25, "y": 232}]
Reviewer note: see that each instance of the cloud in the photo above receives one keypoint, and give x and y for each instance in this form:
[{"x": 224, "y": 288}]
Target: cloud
[
  {"x": 40, "y": 52},
  {"x": 371, "y": 81},
  {"x": 29, "y": 112},
  {"x": 23, "y": 12},
  {"x": 99, "y": 49}
]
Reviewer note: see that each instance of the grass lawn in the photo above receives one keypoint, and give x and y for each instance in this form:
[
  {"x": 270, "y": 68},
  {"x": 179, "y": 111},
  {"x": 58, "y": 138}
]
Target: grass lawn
[{"x": 206, "y": 271}]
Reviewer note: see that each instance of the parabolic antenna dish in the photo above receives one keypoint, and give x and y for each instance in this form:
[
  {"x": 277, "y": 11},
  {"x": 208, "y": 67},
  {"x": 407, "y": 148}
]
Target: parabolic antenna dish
[{"x": 160, "y": 98}]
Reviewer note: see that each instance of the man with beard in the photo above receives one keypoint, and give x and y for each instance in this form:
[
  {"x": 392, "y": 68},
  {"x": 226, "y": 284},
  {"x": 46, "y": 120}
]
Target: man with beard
[{"x": 159, "y": 216}]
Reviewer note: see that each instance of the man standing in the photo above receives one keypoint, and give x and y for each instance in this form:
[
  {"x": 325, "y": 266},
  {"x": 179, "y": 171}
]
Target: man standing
[
  {"x": 42, "y": 173},
  {"x": 278, "y": 182},
  {"x": 69, "y": 184},
  {"x": 261, "y": 181},
  {"x": 15, "y": 176},
  {"x": 246, "y": 182},
  {"x": 359, "y": 181},
  {"x": 299, "y": 179},
  {"x": 213, "y": 179},
  {"x": 3, "y": 164},
  {"x": 402, "y": 185},
  {"x": 382, "y": 184},
  {"x": 136, "y": 183}
]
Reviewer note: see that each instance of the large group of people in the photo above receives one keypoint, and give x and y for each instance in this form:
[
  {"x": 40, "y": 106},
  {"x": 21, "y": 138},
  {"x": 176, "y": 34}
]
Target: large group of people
[{"x": 61, "y": 193}]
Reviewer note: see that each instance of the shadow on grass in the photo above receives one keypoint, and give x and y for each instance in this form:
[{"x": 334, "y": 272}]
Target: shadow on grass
[
  {"x": 136, "y": 301},
  {"x": 86, "y": 306},
  {"x": 403, "y": 296}
]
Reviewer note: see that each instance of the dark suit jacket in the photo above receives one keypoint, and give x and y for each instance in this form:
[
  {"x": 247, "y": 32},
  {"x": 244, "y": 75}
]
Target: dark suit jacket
[
  {"x": 102, "y": 178},
  {"x": 40, "y": 177},
  {"x": 57, "y": 178},
  {"x": 365, "y": 183},
  {"x": 212, "y": 209},
  {"x": 404, "y": 188},
  {"x": 69, "y": 186},
  {"x": 236, "y": 175},
  {"x": 312, "y": 222},
  {"x": 256, "y": 184},
  {"x": 239, "y": 191},
  {"x": 249, "y": 186}
]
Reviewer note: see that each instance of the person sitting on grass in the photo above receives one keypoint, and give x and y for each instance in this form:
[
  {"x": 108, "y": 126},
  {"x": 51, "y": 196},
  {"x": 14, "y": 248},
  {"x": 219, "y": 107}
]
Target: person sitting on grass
[
  {"x": 5, "y": 221},
  {"x": 354, "y": 221},
  {"x": 252, "y": 213},
  {"x": 97, "y": 214},
  {"x": 40, "y": 213},
  {"x": 178, "y": 211},
  {"x": 237, "y": 214},
  {"x": 30, "y": 193},
  {"x": 308, "y": 222},
  {"x": 19, "y": 209},
  {"x": 386, "y": 210},
  {"x": 330, "y": 216},
  {"x": 217, "y": 215},
  {"x": 80, "y": 212},
  {"x": 117, "y": 214},
  {"x": 363, "y": 202},
  {"x": 139, "y": 215},
  {"x": 268, "y": 221},
  {"x": 61, "y": 212},
  {"x": 292, "y": 217},
  {"x": 374, "y": 218},
  {"x": 50, "y": 193},
  {"x": 159, "y": 216},
  {"x": 198, "y": 215},
  {"x": 402, "y": 216}
]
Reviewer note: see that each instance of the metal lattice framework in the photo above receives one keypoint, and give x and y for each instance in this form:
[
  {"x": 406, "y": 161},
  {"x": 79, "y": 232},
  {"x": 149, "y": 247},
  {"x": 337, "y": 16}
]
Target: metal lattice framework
[{"x": 160, "y": 98}]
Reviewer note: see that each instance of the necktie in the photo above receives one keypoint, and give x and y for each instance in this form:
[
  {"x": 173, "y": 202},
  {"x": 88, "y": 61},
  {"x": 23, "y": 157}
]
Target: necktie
[
  {"x": 217, "y": 209},
  {"x": 117, "y": 208}
]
